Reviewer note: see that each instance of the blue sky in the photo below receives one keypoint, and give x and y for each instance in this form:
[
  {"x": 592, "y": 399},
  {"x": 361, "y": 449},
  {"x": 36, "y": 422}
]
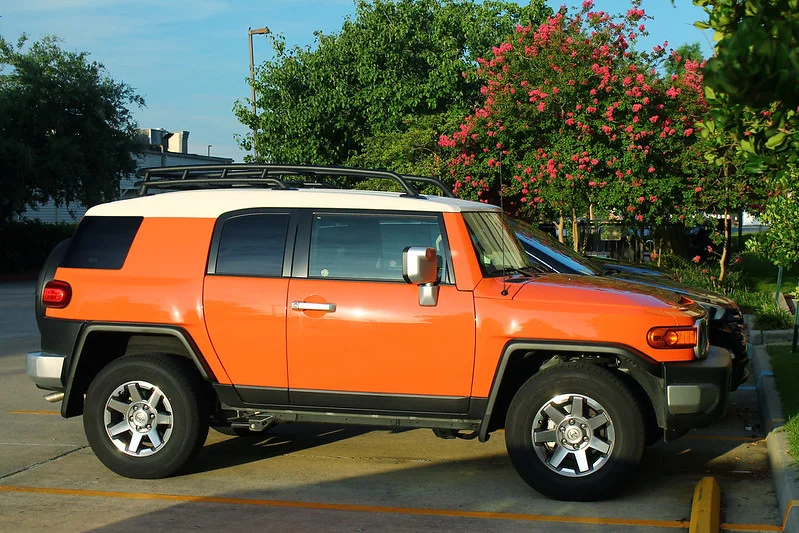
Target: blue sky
[{"x": 190, "y": 58}]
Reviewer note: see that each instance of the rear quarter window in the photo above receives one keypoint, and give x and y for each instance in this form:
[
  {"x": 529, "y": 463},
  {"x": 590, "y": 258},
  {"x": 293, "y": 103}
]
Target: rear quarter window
[{"x": 102, "y": 242}]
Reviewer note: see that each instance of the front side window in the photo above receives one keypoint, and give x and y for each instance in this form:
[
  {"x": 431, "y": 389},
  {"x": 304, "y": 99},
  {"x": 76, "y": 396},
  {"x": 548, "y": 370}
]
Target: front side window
[
  {"x": 253, "y": 245},
  {"x": 498, "y": 251},
  {"x": 369, "y": 247}
]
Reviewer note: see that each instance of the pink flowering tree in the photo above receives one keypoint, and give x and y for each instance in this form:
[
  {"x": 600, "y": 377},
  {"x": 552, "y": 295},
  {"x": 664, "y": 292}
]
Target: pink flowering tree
[{"x": 579, "y": 123}]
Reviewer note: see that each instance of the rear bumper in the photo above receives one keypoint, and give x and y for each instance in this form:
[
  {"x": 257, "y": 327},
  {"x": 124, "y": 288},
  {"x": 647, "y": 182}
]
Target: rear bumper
[
  {"x": 45, "y": 370},
  {"x": 697, "y": 392}
]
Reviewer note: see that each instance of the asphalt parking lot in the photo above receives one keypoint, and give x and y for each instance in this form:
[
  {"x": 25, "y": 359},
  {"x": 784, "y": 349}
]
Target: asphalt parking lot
[{"x": 330, "y": 478}]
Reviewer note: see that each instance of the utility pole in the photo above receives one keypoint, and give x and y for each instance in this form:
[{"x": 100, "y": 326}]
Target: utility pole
[
  {"x": 250, "y": 33},
  {"x": 209, "y": 150}
]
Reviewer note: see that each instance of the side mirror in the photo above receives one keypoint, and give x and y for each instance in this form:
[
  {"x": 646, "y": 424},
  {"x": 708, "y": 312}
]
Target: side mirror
[{"x": 420, "y": 267}]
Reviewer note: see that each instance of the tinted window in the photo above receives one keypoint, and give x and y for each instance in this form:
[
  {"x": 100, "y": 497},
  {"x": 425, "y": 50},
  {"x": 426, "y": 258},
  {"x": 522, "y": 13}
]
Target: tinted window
[
  {"x": 253, "y": 245},
  {"x": 102, "y": 242},
  {"x": 370, "y": 247}
]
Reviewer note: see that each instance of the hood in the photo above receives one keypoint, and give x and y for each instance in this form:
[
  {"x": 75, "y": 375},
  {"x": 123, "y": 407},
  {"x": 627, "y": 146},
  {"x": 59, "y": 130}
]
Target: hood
[{"x": 607, "y": 292}]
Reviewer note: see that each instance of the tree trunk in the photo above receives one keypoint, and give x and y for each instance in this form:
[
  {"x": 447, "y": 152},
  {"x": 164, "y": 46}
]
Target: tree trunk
[
  {"x": 726, "y": 246},
  {"x": 561, "y": 227},
  {"x": 575, "y": 232}
]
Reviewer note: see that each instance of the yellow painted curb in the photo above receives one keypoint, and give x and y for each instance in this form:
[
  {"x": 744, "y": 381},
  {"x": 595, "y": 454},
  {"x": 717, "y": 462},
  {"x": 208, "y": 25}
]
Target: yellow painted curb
[{"x": 706, "y": 508}]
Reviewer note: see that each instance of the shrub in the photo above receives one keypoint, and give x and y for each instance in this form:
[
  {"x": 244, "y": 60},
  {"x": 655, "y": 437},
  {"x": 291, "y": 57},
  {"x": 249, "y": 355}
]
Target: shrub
[{"x": 25, "y": 245}]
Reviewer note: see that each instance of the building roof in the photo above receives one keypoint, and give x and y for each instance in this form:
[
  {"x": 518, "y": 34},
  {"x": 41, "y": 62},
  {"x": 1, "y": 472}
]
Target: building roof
[{"x": 211, "y": 203}]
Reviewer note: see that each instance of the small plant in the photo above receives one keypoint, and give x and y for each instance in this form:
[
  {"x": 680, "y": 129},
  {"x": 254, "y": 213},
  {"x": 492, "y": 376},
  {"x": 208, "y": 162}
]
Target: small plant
[{"x": 770, "y": 316}]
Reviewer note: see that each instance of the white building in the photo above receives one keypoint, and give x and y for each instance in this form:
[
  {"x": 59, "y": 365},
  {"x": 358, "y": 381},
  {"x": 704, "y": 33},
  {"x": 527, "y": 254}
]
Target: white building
[{"x": 164, "y": 149}]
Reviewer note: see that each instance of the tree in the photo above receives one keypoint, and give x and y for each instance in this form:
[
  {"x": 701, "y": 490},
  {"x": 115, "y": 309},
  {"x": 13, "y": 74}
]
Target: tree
[
  {"x": 580, "y": 121},
  {"x": 393, "y": 60},
  {"x": 65, "y": 131},
  {"x": 684, "y": 52},
  {"x": 751, "y": 89}
]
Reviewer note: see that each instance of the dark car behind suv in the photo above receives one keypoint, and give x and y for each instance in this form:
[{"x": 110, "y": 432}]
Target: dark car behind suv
[{"x": 727, "y": 328}]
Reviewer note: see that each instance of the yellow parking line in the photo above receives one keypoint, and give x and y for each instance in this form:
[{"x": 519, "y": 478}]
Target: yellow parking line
[
  {"x": 24, "y": 412},
  {"x": 676, "y": 524},
  {"x": 706, "y": 507}
]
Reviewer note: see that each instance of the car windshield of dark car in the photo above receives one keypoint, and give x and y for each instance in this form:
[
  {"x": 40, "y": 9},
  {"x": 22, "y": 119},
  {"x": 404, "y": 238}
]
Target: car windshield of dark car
[{"x": 549, "y": 250}]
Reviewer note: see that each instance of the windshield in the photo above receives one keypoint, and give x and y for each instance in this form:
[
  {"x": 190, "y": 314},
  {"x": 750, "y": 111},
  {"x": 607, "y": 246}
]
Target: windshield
[
  {"x": 497, "y": 249},
  {"x": 545, "y": 248}
]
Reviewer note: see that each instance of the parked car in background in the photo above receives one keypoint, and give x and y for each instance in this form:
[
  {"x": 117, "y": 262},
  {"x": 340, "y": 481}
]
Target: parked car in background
[{"x": 727, "y": 328}]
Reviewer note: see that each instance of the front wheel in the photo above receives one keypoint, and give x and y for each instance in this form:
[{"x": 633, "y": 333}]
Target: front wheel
[
  {"x": 143, "y": 417},
  {"x": 574, "y": 432}
]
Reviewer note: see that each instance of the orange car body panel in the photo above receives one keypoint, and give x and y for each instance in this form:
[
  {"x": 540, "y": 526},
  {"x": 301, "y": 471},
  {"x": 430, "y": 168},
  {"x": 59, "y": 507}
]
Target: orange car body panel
[
  {"x": 379, "y": 339},
  {"x": 246, "y": 319},
  {"x": 570, "y": 308},
  {"x": 464, "y": 261},
  {"x": 160, "y": 283}
]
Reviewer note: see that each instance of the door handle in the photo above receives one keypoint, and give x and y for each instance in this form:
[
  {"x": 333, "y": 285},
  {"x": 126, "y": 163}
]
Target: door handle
[{"x": 313, "y": 306}]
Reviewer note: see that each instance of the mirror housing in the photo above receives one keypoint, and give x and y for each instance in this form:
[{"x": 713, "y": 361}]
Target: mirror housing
[{"x": 420, "y": 267}]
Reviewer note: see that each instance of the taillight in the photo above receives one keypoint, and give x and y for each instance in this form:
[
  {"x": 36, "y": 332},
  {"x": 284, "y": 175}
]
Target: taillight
[
  {"x": 674, "y": 337},
  {"x": 56, "y": 294}
]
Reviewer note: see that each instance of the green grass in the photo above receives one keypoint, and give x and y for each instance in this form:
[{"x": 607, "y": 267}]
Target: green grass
[
  {"x": 762, "y": 274},
  {"x": 786, "y": 376}
]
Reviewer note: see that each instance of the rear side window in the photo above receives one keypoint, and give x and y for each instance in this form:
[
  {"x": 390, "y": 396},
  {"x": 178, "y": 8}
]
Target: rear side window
[
  {"x": 253, "y": 245},
  {"x": 102, "y": 242}
]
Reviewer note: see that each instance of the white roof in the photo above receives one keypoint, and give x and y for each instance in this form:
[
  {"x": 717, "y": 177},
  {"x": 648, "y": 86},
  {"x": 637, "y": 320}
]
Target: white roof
[{"x": 211, "y": 203}]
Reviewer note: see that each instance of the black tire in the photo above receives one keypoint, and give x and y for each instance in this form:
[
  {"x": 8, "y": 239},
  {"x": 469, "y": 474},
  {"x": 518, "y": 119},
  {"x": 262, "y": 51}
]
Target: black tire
[
  {"x": 178, "y": 420},
  {"x": 609, "y": 420}
]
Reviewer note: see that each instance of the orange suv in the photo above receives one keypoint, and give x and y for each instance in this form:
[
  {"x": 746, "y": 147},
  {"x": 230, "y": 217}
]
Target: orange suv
[{"x": 244, "y": 296}]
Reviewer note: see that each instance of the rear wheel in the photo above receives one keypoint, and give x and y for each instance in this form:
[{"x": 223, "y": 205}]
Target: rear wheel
[
  {"x": 574, "y": 432},
  {"x": 143, "y": 416}
]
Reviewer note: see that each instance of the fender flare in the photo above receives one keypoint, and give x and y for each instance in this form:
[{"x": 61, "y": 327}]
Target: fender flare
[
  {"x": 72, "y": 404},
  {"x": 646, "y": 372}
]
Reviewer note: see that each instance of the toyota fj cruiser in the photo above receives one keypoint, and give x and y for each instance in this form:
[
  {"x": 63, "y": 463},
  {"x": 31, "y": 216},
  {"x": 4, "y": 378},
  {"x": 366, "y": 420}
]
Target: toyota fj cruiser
[{"x": 259, "y": 295}]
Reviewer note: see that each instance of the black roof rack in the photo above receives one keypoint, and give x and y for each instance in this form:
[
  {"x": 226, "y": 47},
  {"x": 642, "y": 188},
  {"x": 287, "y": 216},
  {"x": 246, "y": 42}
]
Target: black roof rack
[
  {"x": 431, "y": 181},
  {"x": 269, "y": 175}
]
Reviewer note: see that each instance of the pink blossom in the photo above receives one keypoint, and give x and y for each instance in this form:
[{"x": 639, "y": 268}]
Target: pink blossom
[
  {"x": 637, "y": 107},
  {"x": 639, "y": 218},
  {"x": 709, "y": 248},
  {"x": 651, "y": 170},
  {"x": 588, "y": 4},
  {"x": 541, "y": 106},
  {"x": 697, "y": 259},
  {"x": 688, "y": 132},
  {"x": 698, "y": 189}
]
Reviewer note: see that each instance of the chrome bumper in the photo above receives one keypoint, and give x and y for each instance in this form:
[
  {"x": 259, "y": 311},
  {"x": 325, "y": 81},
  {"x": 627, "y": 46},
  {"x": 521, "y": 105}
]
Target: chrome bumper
[{"x": 44, "y": 369}]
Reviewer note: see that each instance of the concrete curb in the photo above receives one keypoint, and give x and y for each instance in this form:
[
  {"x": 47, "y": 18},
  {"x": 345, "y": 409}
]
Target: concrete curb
[{"x": 784, "y": 471}]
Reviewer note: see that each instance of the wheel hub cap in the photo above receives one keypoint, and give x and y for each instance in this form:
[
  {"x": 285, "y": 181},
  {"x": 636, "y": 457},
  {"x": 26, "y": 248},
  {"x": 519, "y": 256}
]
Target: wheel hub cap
[
  {"x": 573, "y": 435},
  {"x": 138, "y": 418}
]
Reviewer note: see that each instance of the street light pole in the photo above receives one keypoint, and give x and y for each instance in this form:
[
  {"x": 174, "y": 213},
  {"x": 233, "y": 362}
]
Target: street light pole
[
  {"x": 209, "y": 150},
  {"x": 250, "y": 33}
]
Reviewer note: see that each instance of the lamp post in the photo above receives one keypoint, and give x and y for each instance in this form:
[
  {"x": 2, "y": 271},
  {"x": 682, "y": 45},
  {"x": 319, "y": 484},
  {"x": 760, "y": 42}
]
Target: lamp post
[
  {"x": 209, "y": 150},
  {"x": 250, "y": 33}
]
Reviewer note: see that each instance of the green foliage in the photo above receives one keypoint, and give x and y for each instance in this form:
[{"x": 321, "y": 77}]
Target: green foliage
[
  {"x": 770, "y": 316},
  {"x": 393, "y": 60},
  {"x": 65, "y": 131},
  {"x": 580, "y": 121},
  {"x": 27, "y": 244},
  {"x": 751, "y": 89},
  {"x": 705, "y": 275},
  {"x": 675, "y": 65}
]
